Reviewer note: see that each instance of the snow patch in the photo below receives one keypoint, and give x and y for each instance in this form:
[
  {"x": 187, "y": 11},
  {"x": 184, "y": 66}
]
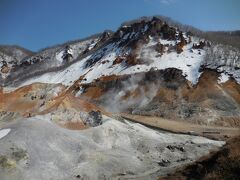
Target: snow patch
[
  {"x": 189, "y": 61},
  {"x": 223, "y": 78},
  {"x": 66, "y": 77},
  {"x": 92, "y": 45},
  {"x": 4, "y": 132},
  {"x": 59, "y": 56}
]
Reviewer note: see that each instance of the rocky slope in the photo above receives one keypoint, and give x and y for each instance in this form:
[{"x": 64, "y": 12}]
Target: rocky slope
[
  {"x": 11, "y": 56},
  {"x": 52, "y": 59},
  {"x": 166, "y": 93}
]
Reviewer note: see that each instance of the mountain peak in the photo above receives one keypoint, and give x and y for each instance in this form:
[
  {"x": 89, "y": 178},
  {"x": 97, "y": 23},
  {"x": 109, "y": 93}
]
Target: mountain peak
[{"x": 137, "y": 46}]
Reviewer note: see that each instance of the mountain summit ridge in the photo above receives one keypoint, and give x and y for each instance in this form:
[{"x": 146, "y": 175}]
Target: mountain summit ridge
[{"x": 129, "y": 38}]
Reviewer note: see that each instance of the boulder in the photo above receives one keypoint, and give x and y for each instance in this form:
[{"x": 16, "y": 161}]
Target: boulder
[
  {"x": 201, "y": 45},
  {"x": 5, "y": 69},
  {"x": 94, "y": 119},
  {"x": 160, "y": 48},
  {"x": 118, "y": 60},
  {"x": 67, "y": 54}
]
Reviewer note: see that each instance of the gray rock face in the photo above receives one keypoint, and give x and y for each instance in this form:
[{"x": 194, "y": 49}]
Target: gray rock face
[{"x": 47, "y": 60}]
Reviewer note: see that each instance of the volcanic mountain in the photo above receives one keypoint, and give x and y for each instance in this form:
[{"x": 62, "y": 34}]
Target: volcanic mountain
[{"x": 78, "y": 103}]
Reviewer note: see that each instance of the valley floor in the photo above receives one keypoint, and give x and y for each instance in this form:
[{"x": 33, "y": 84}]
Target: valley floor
[
  {"x": 181, "y": 127},
  {"x": 38, "y": 148},
  {"x": 219, "y": 164}
]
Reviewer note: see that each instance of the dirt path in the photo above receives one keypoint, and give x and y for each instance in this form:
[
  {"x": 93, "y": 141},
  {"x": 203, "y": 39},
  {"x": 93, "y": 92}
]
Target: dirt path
[{"x": 184, "y": 127}]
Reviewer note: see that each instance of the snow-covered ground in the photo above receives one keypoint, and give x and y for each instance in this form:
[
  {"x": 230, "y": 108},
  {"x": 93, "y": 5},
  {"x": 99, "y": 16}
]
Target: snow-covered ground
[
  {"x": 77, "y": 48},
  {"x": 4, "y": 132},
  {"x": 224, "y": 77},
  {"x": 188, "y": 61},
  {"x": 225, "y": 59},
  {"x": 66, "y": 76}
]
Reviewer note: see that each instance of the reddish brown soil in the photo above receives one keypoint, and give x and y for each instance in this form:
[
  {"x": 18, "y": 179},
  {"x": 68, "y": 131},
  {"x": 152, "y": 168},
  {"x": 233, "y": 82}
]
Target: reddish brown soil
[
  {"x": 77, "y": 103},
  {"x": 93, "y": 92},
  {"x": 205, "y": 95},
  {"x": 17, "y": 102},
  {"x": 233, "y": 89},
  {"x": 79, "y": 125},
  {"x": 108, "y": 78},
  {"x": 118, "y": 60}
]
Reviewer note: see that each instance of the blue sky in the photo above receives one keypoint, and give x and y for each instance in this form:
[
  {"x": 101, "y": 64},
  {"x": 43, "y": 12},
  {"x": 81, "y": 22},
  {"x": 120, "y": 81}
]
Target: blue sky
[{"x": 35, "y": 24}]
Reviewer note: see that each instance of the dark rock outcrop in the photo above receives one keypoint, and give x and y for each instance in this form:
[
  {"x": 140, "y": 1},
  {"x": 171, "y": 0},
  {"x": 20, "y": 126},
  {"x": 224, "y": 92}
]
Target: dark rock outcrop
[{"x": 94, "y": 118}]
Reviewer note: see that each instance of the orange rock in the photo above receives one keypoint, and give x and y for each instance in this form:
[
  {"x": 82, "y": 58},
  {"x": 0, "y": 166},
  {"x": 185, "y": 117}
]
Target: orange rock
[
  {"x": 118, "y": 60},
  {"x": 5, "y": 69}
]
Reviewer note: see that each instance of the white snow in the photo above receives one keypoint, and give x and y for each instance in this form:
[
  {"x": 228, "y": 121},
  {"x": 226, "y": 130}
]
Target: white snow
[
  {"x": 223, "y": 78},
  {"x": 77, "y": 48},
  {"x": 93, "y": 44},
  {"x": 79, "y": 92},
  {"x": 145, "y": 28},
  {"x": 4, "y": 132},
  {"x": 70, "y": 51},
  {"x": 126, "y": 36},
  {"x": 66, "y": 77},
  {"x": 164, "y": 42},
  {"x": 226, "y": 59},
  {"x": 59, "y": 56},
  {"x": 189, "y": 61}
]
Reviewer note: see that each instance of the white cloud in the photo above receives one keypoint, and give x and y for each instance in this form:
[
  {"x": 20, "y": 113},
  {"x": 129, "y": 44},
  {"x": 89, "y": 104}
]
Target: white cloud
[{"x": 167, "y": 2}]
